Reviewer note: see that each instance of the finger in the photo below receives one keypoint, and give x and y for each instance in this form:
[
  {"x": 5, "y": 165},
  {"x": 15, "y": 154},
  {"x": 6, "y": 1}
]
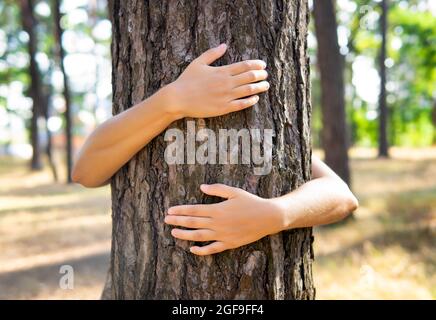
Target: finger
[
  {"x": 212, "y": 248},
  {"x": 188, "y": 222},
  {"x": 197, "y": 210},
  {"x": 212, "y": 54},
  {"x": 240, "y": 104},
  {"x": 220, "y": 190},
  {"x": 244, "y": 66},
  {"x": 250, "y": 89},
  {"x": 193, "y": 235},
  {"x": 250, "y": 76}
]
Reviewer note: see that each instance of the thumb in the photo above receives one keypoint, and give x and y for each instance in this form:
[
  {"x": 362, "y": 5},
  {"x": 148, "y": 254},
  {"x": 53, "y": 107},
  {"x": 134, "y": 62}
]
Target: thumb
[
  {"x": 212, "y": 54},
  {"x": 220, "y": 190}
]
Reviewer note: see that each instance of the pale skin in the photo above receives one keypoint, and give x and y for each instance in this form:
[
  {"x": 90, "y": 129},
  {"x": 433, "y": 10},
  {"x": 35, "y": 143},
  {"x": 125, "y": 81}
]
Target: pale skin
[{"x": 204, "y": 91}]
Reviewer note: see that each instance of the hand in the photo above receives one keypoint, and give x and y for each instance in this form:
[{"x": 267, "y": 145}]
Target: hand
[
  {"x": 204, "y": 91},
  {"x": 242, "y": 219}
]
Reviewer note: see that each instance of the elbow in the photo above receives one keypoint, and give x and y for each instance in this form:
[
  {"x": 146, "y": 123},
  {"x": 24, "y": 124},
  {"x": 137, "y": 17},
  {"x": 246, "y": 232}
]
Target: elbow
[
  {"x": 75, "y": 174},
  {"x": 78, "y": 176},
  {"x": 350, "y": 204},
  {"x": 347, "y": 201},
  {"x": 353, "y": 203}
]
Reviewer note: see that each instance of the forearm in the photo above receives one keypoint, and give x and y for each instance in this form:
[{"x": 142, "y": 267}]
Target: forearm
[
  {"x": 320, "y": 201},
  {"x": 201, "y": 91},
  {"x": 117, "y": 140}
]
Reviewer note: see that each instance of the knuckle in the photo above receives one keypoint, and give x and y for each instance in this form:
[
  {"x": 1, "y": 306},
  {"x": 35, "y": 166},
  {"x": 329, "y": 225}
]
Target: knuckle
[
  {"x": 218, "y": 248},
  {"x": 191, "y": 222},
  {"x": 252, "y": 75},
  {"x": 247, "y": 64},
  {"x": 213, "y": 251},
  {"x": 251, "y": 89},
  {"x": 200, "y": 236},
  {"x": 241, "y": 104}
]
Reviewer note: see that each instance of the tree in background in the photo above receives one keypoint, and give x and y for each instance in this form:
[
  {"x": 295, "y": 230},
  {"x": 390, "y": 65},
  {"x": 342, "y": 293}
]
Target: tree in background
[
  {"x": 334, "y": 135},
  {"x": 49, "y": 147},
  {"x": 410, "y": 60},
  {"x": 36, "y": 93},
  {"x": 152, "y": 43},
  {"x": 67, "y": 94},
  {"x": 383, "y": 109}
]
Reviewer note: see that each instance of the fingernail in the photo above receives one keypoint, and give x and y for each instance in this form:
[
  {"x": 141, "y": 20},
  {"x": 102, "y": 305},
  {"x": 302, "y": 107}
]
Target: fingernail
[
  {"x": 256, "y": 98},
  {"x": 263, "y": 64},
  {"x": 222, "y": 45}
]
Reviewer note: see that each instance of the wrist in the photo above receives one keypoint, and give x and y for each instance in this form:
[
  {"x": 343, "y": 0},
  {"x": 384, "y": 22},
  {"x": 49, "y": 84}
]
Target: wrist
[
  {"x": 277, "y": 215},
  {"x": 170, "y": 101},
  {"x": 284, "y": 215}
]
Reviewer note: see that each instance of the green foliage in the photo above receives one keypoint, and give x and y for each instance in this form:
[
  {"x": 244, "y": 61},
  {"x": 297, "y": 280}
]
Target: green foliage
[
  {"x": 411, "y": 72},
  {"x": 80, "y": 20}
]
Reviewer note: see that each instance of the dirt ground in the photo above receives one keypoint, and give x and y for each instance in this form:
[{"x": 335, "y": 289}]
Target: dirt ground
[{"x": 386, "y": 252}]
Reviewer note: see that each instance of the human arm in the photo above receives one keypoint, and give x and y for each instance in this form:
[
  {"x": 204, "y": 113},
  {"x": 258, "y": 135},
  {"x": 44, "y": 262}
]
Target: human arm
[
  {"x": 200, "y": 91},
  {"x": 244, "y": 217}
]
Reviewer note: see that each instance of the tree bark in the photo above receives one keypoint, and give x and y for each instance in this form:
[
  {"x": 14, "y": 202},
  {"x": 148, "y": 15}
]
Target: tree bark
[
  {"x": 153, "y": 41},
  {"x": 67, "y": 94},
  {"x": 331, "y": 66},
  {"x": 383, "y": 109},
  {"x": 29, "y": 26},
  {"x": 49, "y": 148}
]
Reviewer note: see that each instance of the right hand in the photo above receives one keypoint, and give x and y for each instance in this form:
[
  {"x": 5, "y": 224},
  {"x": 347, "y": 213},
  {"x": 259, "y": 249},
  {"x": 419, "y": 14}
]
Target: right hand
[{"x": 204, "y": 91}]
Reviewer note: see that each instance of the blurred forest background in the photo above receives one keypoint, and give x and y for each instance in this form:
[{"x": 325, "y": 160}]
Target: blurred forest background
[{"x": 374, "y": 115}]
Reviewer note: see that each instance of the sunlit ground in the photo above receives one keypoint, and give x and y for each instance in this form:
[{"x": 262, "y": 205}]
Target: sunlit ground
[
  {"x": 386, "y": 252},
  {"x": 44, "y": 226}
]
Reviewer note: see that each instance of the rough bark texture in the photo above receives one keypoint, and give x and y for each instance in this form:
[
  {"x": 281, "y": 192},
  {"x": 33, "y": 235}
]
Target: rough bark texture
[
  {"x": 67, "y": 95},
  {"x": 331, "y": 67},
  {"x": 153, "y": 41},
  {"x": 383, "y": 109},
  {"x": 29, "y": 25}
]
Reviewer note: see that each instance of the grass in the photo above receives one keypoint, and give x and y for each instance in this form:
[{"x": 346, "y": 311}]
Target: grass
[{"x": 386, "y": 252}]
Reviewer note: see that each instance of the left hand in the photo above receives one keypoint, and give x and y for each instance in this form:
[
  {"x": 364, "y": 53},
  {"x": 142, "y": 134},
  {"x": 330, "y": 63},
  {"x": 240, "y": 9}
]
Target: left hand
[{"x": 242, "y": 219}]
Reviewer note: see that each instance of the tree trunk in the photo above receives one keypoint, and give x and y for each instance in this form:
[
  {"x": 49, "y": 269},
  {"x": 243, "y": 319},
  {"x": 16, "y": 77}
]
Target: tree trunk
[
  {"x": 49, "y": 147},
  {"x": 383, "y": 109},
  {"x": 67, "y": 94},
  {"x": 331, "y": 66},
  {"x": 153, "y": 41},
  {"x": 29, "y": 26}
]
